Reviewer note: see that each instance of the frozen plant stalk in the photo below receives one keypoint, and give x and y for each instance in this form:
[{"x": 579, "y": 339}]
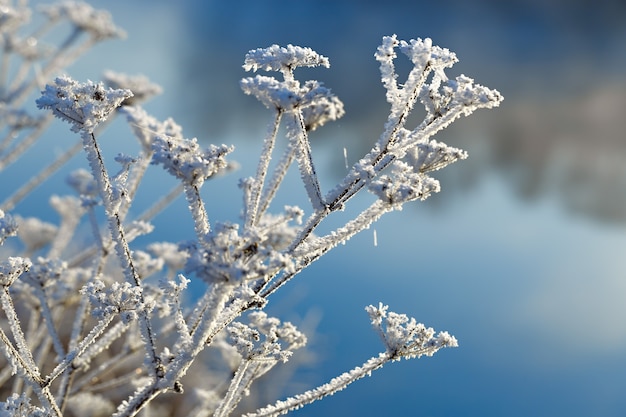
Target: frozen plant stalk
[{"x": 79, "y": 327}]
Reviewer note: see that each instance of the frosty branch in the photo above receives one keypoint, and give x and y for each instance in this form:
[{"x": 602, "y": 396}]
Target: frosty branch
[{"x": 106, "y": 327}]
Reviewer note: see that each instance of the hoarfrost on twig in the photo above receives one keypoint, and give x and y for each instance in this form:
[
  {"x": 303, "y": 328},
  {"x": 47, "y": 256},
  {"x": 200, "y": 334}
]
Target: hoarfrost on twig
[{"x": 128, "y": 325}]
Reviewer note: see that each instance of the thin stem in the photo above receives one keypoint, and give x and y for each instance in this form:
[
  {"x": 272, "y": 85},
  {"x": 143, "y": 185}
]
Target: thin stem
[
  {"x": 15, "y": 358},
  {"x": 88, "y": 380},
  {"x": 296, "y": 130},
  {"x": 139, "y": 169},
  {"x": 322, "y": 245},
  {"x": 82, "y": 346},
  {"x": 198, "y": 213},
  {"x": 330, "y": 388},
  {"x": 277, "y": 177},
  {"x": 46, "y": 313},
  {"x": 20, "y": 340},
  {"x": 230, "y": 400},
  {"x": 252, "y": 214},
  {"x": 100, "y": 173}
]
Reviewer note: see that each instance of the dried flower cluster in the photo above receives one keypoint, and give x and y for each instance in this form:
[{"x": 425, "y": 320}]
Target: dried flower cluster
[{"x": 103, "y": 328}]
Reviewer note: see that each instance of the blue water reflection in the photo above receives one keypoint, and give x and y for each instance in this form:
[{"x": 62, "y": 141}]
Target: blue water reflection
[{"x": 520, "y": 257}]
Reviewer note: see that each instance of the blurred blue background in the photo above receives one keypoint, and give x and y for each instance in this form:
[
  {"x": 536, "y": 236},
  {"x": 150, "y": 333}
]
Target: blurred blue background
[{"x": 521, "y": 256}]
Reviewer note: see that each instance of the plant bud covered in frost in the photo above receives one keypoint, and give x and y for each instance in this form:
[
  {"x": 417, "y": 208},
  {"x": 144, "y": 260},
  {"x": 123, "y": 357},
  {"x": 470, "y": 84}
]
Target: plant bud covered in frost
[
  {"x": 284, "y": 59},
  {"x": 278, "y": 342},
  {"x": 404, "y": 337},
  {"x": 45, "y": 272},
  {"x": 230, "y": 257},
  {"x": 184, "y": 159},
  {"x": 471, "y": 96},
  {"x": 83, "y": 105},
  {"x": 423, "y": 53},
  {"x": 12, "y": 268},
  {"x": 324, "y": 109},
  {"x": 403, "y": 185},
  {"x": 432, "y": 156},
  {"x": 120, "y": 298}
]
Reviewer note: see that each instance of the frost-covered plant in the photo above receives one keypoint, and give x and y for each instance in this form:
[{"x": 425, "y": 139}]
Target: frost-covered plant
[{"x": 103, "y": 328}]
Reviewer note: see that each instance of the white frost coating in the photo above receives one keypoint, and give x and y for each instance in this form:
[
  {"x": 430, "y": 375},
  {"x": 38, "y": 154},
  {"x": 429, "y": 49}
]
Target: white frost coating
[
  {"x": 83, "y": 105},
  {"x": 403, "y": 185},
  {"x": 283, "y": 59},
  {"x": 184, "y": 159},
  {"x": 12, "y": 268},
  {"x": 423, "y": 53},
  {"x": 403, "y": 337},
  {"x": 130, "y": 319}
]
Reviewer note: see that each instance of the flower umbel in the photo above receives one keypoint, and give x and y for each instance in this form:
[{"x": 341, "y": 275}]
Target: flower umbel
[
  {"x": 83, "y": 105},
  {"x": 184, "y": 158},
  {"x": 283, "y": 59}
]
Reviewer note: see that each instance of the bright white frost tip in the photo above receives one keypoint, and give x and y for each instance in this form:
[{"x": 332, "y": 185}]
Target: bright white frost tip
[
  {"x": 283, "y": 59},
  {"x": 83, "y": 105},
  {"x": 422, "y": 52}
]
